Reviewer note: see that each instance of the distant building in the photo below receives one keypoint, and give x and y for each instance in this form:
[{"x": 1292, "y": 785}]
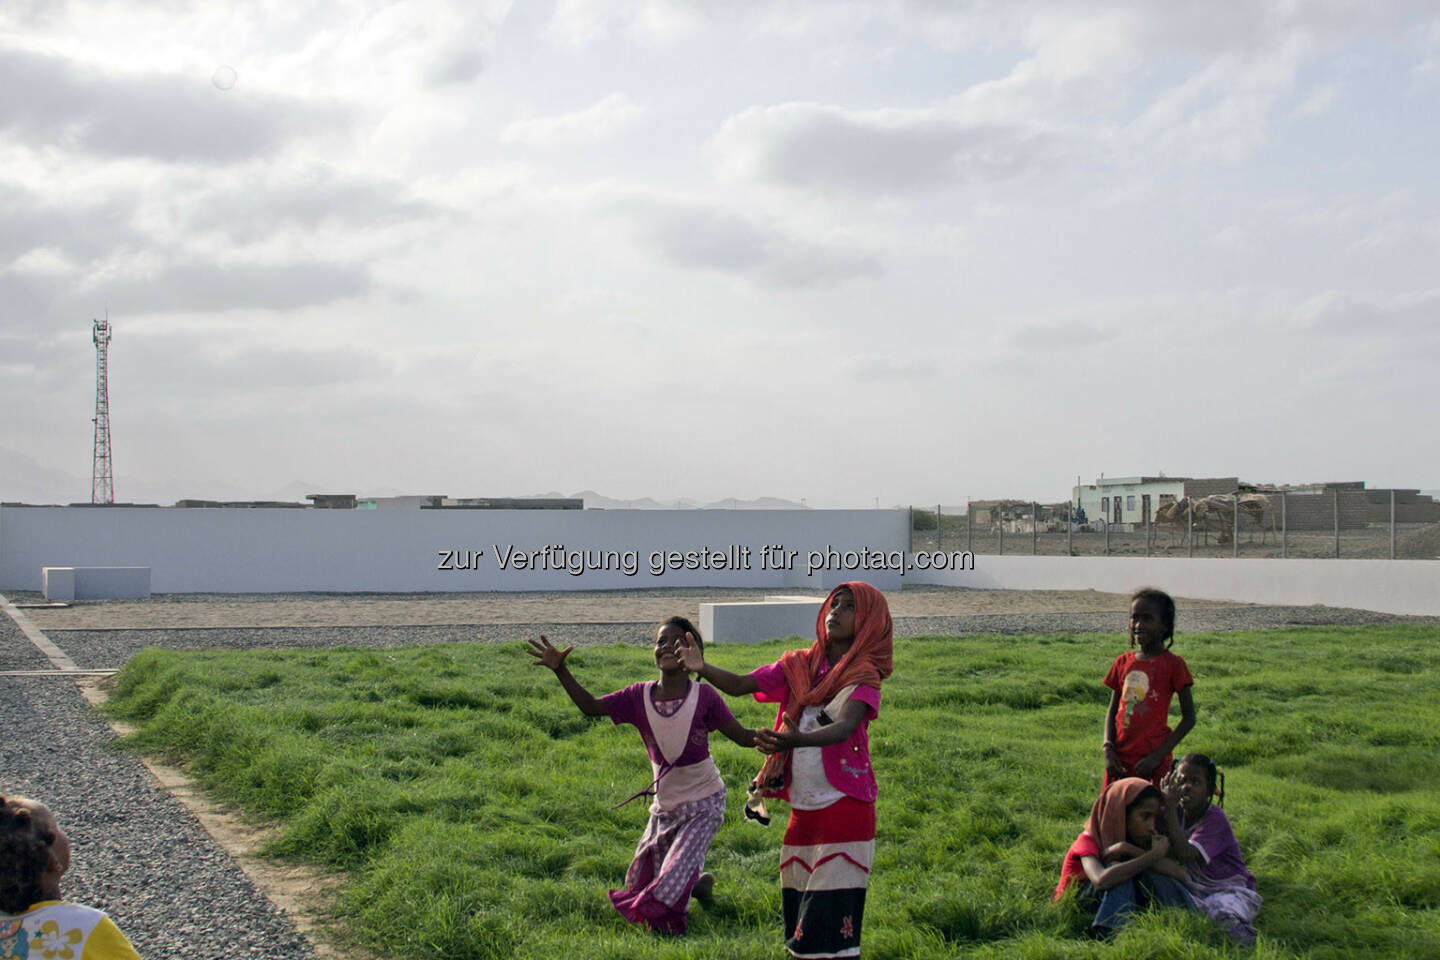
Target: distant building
[
  {"x": 1132, "y": 500},
  {"x": 400, "y": 503},
  {"x": 509, "y": 503}
]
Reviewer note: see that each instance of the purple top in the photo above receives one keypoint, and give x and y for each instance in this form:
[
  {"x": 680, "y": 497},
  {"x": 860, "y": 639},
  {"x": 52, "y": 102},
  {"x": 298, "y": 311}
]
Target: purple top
[
  {"x": 847, "y": 764},
  {"x": 1218, "y": 847},
  {"x": 711, "y": 713}
]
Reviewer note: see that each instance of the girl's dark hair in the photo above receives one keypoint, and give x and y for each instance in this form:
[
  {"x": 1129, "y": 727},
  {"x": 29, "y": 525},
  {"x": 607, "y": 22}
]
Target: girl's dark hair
[
  {"x": 685, "y": 627},
  {"x": 1151, "y": 792},
  {"x": 24, "y": 855},
  {"x": 1213, "y": 774},
  {"x": 1166, "y": 604}
]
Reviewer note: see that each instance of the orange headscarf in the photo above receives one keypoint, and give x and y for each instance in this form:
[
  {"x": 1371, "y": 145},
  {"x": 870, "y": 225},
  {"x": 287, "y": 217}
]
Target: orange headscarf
[
  {"x": 868, "y": 661},
  {"x": 1107, "y": 820},
  {"x": 1107, "y": 817}
]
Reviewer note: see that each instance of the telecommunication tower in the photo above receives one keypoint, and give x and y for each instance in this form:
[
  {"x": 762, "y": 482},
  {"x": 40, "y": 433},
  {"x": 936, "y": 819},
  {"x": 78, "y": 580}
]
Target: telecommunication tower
[{"x": 102, "y": 484}]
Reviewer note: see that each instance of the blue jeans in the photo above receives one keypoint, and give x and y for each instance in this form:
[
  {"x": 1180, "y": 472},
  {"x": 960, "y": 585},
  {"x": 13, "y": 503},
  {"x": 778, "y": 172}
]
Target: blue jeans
[{"x": 1114, "y": 907}]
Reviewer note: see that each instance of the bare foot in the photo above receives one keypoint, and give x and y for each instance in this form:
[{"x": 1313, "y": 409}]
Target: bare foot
[{"x": 704, "y": 886}]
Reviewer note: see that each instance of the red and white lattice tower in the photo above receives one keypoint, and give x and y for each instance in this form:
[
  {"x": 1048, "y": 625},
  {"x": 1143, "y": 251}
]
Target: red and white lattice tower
[{"x": 102, "y": 484}]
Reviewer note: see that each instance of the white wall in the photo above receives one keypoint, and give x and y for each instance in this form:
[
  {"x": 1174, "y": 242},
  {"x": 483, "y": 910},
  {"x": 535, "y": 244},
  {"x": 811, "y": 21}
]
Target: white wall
[
  {"x": 1388, "y": 586},
  {"x": 267, "y": 551}
]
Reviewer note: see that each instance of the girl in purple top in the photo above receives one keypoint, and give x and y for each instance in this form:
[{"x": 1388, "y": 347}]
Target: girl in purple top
[
  {"x": 674, "y": 717},
  {"x": 1224, "y": 890}
]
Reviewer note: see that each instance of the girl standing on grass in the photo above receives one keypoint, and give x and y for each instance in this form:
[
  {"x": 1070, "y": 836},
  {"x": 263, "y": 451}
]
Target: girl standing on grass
[
  {"x": 1138, "y": 740},
  {"x": 1224, "y": 890},
  {"x": 819, "y": 761},
  {"x": 1124, "y": 862},
  {"x": 34, "y": 921},
  {"x": 674, "y": 717}
]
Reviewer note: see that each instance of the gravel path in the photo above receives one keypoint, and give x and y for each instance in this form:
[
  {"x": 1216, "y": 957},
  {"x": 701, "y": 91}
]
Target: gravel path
[
  {"x": 16, "y": 652},
  {"x": 109, "y": 649},
  {"x": 138, "y": 854}
]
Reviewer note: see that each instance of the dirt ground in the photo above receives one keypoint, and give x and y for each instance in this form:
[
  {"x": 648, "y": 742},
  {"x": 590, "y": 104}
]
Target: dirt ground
[{"x": 628, "y": 606}]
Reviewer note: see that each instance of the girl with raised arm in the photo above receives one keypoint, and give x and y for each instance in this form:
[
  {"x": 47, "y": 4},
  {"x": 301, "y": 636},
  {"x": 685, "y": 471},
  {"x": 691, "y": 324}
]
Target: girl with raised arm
[
  {"x": 819, "y": 761},
  {"x": 675, "y": 718}
]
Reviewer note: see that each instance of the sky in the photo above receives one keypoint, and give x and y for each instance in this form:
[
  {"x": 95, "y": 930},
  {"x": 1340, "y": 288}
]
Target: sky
[{"x": 879, "y": 252}]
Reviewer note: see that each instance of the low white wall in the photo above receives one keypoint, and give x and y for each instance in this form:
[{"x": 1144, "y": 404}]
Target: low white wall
[
  {"x": 95, "y": 583},
  {"x": 1387, "y": 586},
  {"x": 757, "y": 622},
  {"x": 276, "y": 551}
]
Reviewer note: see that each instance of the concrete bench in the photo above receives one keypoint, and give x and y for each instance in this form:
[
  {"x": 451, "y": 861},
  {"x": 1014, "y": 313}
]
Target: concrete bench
[
  {"x": 756, "y": 622},
  {"x": 95, "y": 583}
]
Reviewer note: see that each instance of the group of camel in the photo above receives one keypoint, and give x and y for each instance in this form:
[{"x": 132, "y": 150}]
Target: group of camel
[{"x": 1217, "y": 513}]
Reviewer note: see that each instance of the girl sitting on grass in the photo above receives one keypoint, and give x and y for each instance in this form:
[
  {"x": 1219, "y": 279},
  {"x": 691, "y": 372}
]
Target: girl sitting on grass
[
  {"x": 34, "y": 921},
  {"x": 819, "y": 761},
  {"x": 1124, "y": 862},
  {"x": 1224, "y": 890},
  {"x": 674, "y": 717},
  {"x": 1138, "y": 740}
]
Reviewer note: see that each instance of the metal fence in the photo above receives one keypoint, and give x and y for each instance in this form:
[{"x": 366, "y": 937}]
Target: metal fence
[{"x": 1343, "y": 523}]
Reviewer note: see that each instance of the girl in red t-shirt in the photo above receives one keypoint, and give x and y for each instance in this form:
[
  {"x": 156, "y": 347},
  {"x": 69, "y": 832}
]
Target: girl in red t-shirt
[{"x": 1138, "y": 740}]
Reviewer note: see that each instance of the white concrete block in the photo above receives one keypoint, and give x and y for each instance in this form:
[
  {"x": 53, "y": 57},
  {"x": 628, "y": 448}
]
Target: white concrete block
[
  {"x": 757, "y": 622},
  {"x": 95, "y": 583},
  {"x": 112, "y": 583},
  {"x": 58, "y": 583}
]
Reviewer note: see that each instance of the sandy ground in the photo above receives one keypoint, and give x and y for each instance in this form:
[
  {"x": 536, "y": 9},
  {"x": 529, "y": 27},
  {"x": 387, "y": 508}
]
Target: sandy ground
[{"x": 628, "y": 606}]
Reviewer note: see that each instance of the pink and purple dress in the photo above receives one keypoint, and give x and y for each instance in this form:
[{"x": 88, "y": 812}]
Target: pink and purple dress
[
  {"x": 689, "y": 800},
  {"x": 1224, "y": 889}
]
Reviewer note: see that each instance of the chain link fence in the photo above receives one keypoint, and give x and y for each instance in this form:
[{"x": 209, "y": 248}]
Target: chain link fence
[{"x": 1354, "y": 524}]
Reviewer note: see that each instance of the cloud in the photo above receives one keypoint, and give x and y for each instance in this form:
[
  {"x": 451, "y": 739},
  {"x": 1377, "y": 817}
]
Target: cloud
[
  {"x": 52, "y": 102},
  {"x": 220, "y": 287},
  {"x": 891, "y": 368},
  {"x": 254, "y": 204},
  {"x": 701, "y": 237},
  {"x": 1057, "y": 337},
  {"x": 1389, "y": 315},
  {"x": 602, "y": 121},
  {"x": 459, "y": 64},
  {"x": 85, "y": 229},
  {"x": 190, "y": 365},
  {"x": 871, "y": 151}
]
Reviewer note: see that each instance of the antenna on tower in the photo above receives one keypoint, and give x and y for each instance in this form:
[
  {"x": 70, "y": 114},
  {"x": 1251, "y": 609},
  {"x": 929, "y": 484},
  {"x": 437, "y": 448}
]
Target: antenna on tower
[{"x": 102, "y": 484}]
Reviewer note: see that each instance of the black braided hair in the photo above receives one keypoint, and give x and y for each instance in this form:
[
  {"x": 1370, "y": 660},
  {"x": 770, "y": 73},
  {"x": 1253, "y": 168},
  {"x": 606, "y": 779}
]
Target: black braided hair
[
  {"x": 1166, "y": 603},
  {"x": 1213, "y": 774},
  {"x": 24, "y": 855}
]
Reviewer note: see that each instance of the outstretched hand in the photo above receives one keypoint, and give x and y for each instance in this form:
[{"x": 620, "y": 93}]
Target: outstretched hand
[
  {"x": 1170, "y": 787},
  {"x": 690, "y": 653},
  {"x": 546, "y": 655},
  {"x": 777, "y": 741}
]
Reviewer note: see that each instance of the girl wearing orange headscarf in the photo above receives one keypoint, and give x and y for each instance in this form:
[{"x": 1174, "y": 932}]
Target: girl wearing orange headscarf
[
  {"x": 819, "y": 762},
  {"x": 1123, "y": 857}
]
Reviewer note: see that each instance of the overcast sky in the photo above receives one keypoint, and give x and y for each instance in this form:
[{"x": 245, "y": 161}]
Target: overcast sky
[{"x": 917, "y": 250}]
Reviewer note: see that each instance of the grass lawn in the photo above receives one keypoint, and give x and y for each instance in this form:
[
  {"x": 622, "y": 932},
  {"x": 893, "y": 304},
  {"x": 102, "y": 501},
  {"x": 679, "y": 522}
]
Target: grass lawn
[{"x": 470, "y": 802}]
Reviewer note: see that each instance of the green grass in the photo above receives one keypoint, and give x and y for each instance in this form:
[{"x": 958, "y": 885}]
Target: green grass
[{"x": 470, "y": 803}]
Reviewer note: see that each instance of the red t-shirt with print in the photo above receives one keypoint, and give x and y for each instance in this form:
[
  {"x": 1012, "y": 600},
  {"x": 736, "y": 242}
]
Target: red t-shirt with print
[{"x": 1145, "y": 686}]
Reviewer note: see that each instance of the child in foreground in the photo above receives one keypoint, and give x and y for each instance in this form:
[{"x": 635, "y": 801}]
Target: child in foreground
[
  {"x": 1138, "y": 740},
  {"x": 1224, "y": 890},
  {"x": 1124, "y": 863},
  {"x": 34, "y": 920},
  {"x": 675, "y": 718},
  {"x": 819, "y": 761}
]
